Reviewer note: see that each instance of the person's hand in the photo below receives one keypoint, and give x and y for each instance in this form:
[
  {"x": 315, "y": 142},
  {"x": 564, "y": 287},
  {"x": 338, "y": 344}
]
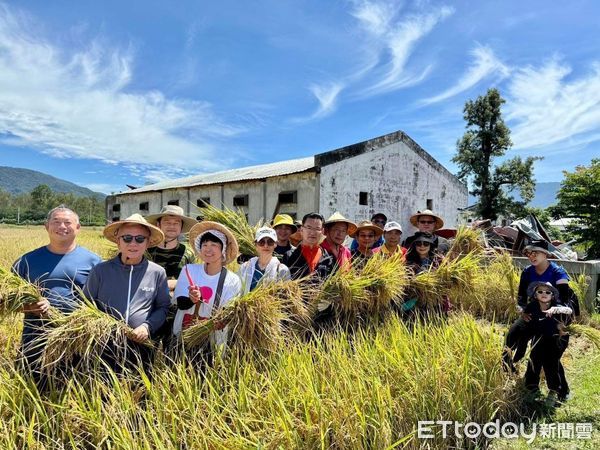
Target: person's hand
[
  {"x": 526, "y": 317},
  {"x": 39, "y": 308},
  {"x": 140, "y": 334},
  {"x": 195, "y": 295}
]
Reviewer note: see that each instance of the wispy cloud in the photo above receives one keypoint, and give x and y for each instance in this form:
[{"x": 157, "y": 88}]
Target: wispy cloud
[
  {"x": 485, "y": 64},
  {"x": 398, "y": 43},
  {"x": 548, "y": 106},
  {"x": 385, "y": 43},
  {"x": 75, "y": 103}
]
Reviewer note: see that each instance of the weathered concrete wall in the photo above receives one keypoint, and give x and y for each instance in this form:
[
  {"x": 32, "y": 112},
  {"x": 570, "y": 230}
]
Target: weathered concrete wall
[
  {"x": 262, "y": 197},
  {"x": 398, "y": 180},
  {"x": 130, "y": 204},
  {"x": 305, "y": 185}
]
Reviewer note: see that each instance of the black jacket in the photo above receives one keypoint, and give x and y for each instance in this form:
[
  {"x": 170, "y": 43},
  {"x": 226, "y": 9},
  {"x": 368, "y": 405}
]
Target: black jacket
[{"x": 299, "y": 267}]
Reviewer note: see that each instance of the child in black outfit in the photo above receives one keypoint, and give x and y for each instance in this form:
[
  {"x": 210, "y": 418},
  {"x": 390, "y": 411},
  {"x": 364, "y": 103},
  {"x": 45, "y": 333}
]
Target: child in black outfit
[{"x": 548, "y": 316}]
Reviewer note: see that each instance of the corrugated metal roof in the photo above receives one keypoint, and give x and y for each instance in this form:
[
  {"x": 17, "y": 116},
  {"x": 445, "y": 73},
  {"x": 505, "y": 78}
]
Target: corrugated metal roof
[{"x": 228, "y": 176}]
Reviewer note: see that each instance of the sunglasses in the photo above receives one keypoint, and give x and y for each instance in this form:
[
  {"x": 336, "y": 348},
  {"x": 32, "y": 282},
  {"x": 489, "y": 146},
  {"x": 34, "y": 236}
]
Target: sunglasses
[
  {"x": 427, "y": 221},
  {"x": 128, "y": 238},
  {"x": 544, "y": 292},
  {"x": 267, "y": 242},
  {"x": 422, "y": 244}
]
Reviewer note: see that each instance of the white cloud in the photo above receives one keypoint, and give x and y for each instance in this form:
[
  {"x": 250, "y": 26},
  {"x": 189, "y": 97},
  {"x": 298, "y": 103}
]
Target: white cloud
[
  {"x": 399, "y": 42},
  {"x": 326, "y": 94},
  {"x": 547, "y": 106},
  {"x": 74, "y": 103},
  {"x": 485, "y": 64}
]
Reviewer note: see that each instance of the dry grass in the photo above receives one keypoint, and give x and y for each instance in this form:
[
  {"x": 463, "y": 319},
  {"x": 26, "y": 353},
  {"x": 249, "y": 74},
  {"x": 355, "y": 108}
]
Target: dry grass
[{"x": 15, "y": 292}]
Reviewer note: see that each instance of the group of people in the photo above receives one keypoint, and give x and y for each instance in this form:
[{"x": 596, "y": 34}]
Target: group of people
[{"x": 159, "y": 286}]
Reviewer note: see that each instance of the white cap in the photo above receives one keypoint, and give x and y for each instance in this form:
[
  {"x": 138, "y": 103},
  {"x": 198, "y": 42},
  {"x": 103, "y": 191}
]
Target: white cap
[
  {"x": 265, "y": 232},
  {"x": 392, "y": 226}
]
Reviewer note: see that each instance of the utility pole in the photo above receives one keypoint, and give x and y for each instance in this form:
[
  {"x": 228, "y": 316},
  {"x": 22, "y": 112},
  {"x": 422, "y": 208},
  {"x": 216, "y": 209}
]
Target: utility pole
[{"x": 18, "y": 215}]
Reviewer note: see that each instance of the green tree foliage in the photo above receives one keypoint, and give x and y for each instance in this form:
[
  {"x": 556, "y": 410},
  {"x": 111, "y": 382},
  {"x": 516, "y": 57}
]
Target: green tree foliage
[
  {"x": 487, "y": 137},
  {"x": 32, "y": 207},
  {"x": 579, "y": 198}
]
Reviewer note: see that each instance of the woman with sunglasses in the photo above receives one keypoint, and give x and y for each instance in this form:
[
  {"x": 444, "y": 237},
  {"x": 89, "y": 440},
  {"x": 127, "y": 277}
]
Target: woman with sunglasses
[
  {"x": 265, "y": 266},
  {"x": 421, "y": 254},
  {"x": 548, "y": 318}
]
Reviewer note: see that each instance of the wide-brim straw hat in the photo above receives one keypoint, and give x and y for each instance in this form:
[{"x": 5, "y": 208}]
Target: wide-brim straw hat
[
  {"x": 173, "y": 210},
  {"x": 336, "y": 217},
  {"x": 536, "y": 284},
  {"x": 439, "y": 223},
  {"x": 231, "y": 253},
  {"x": 112, "y": 230},
  {"x": 284, "y": 219},
  {"x": 367, "y": 225}
]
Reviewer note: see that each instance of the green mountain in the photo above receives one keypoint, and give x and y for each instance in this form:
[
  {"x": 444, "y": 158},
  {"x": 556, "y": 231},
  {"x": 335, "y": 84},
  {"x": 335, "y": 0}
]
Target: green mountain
[{"x": 17, "y": 181}]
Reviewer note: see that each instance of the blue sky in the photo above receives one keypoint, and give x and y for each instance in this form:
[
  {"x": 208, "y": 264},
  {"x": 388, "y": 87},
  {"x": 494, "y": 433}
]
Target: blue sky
[{"x": 107, "y": 93}]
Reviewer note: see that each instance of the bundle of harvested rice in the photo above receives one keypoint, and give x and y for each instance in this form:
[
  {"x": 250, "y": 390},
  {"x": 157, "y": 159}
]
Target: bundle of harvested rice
[
  {"x": 467, "y": 240},
  {"x": 293, "y": 295},
  {"x": 15, "y": 292},
  {"x": 85, "y": 333},
  {"x": 346, "y": 292},
  {"x": 584, "y": 330},
  {"x": 236, "y": 222},
  {"x": 387, "y": 282},
  {"x": 255, "y": 321}
]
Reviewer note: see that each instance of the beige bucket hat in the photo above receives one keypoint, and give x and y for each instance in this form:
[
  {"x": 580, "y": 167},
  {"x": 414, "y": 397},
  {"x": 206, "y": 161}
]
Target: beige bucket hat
[{"x": 111, "y": 231}]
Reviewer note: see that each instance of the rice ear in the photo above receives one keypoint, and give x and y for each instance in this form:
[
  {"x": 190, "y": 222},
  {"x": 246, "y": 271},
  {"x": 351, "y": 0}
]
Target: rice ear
[{"x": 15, "y": 292}]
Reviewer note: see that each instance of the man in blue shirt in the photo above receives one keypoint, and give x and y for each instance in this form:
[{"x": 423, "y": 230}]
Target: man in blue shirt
[
  {"x": 540, "y": 270},
  {"x": 58, "y": 268}
]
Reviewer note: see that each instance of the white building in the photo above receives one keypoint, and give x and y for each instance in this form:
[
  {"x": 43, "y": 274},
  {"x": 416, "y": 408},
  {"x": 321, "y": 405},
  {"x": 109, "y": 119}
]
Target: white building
[{"x": 390, "y": 174}]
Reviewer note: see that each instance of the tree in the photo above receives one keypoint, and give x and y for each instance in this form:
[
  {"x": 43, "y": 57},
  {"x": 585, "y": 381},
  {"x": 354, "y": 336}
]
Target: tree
[
  {"x": 487, "y": 137},
  {"x": 579, "y": 198}
]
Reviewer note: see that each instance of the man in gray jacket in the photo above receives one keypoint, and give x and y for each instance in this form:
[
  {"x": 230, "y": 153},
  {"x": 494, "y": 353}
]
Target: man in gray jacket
[{"x": 131, "y": 288}]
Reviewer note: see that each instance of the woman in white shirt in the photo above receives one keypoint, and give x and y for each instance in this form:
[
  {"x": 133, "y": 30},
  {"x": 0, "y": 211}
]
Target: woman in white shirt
[
  {"x": 203, "y": 288},
  {"x": 264, "y": 267}
]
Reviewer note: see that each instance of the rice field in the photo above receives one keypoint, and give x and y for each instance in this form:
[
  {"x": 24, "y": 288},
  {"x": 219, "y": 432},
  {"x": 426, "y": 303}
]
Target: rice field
[{"x": 364, "y": 388}]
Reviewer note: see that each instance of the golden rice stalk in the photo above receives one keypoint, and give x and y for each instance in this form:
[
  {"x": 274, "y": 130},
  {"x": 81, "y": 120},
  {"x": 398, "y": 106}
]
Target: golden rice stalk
[
  {"x": 236, "y": 222},
  {"x": 580, "y": 284},
  {"x": 388, "y": 281},
  {"x": 453, "y": 278},
  {"x": 346, "y": 292},
  {"x": 255, "y": 320},
  {"x": 15, "y": 292},
  {"x": 84, "y": 333},
  {"x": 584, "y": 330},
  {"x": 294, "y": 296},
  {"x": 466, "y": 241}
]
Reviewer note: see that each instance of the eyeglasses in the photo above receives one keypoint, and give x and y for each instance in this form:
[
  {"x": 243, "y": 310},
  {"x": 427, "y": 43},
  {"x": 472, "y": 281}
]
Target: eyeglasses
[
  {"x": 128, "y": 238},
  {"x": 267, "y": 242},
  {"x": 532, "y": 253},
  {"x": 429, "y": 222},
  {"x": 544, "y": 292},
  {"x": 422, "y": 244}
]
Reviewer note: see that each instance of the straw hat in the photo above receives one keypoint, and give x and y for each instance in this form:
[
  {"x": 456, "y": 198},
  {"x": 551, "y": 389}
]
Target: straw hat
[
  {"x": 232, "y": 250},
  {"x": 284, "y": 219},
  {"x": 173, "y": 210},
  {"x": 439, "y": 223},
  {"x": 336, "y": 217},
  {"x": 367, "y": 225},
  {"x": 112, "y": 230}
]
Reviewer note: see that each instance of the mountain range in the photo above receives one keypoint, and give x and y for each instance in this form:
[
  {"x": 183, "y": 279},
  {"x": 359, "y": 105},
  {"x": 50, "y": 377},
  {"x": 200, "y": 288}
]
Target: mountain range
[{"x": 18, "y": 181}]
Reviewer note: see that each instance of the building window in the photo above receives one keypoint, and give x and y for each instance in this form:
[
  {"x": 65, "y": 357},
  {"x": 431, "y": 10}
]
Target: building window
[
  {"x": 240, "y": 200},
  {"x": 363, "y": 198},
  {"x": 293, "y": 215},
  {"x": 288, "y": 197},
  {"x": 173, "y": 202},
  {"x": 144, "y": 206},
  {"x": 430, "y": 204},
  {"x": 116, "y": 207},
  {"x": 116, "y": 218},
  {"x": 203, "y": 202}
]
